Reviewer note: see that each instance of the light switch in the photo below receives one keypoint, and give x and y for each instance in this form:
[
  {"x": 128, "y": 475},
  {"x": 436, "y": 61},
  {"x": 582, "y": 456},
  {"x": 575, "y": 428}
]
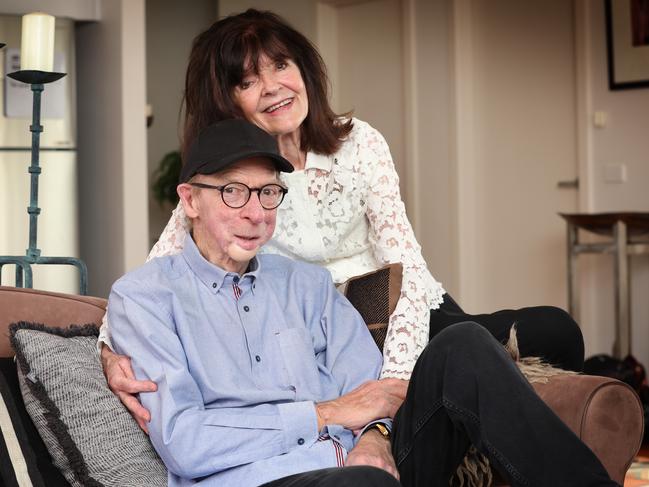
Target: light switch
[
  {"x": 615, "y": 173},
  {"x": 600, "y": 119}
]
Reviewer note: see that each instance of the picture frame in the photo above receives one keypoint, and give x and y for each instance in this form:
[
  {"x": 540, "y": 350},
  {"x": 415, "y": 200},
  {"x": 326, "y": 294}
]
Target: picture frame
[{"x": 627, "y": 42}]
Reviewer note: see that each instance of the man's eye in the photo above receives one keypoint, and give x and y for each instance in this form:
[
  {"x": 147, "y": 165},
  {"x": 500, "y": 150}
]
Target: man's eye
[{"x": 269, "y": 191}]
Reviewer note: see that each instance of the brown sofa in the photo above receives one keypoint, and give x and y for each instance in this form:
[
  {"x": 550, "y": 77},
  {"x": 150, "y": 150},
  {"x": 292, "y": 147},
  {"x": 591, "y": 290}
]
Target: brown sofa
[{"x": 603, "y": 412}]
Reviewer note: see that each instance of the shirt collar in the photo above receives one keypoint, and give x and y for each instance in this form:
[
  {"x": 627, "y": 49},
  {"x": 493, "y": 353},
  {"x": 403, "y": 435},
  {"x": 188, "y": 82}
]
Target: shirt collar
[
  {"x": 211, "y": 275},
  {"x": 318, "y": 161}
]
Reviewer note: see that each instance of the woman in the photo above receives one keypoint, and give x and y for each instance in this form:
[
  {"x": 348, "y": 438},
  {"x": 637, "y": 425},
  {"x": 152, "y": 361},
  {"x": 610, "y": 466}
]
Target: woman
[{"x": 343, "y": 210}]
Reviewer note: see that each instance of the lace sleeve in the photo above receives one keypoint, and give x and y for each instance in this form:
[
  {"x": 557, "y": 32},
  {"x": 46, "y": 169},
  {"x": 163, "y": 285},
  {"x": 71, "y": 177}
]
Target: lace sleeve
[
  {"x": 172, "y": 239},
  {"x": 393, "y": 240},
  {"x": 170, "y": 242}
]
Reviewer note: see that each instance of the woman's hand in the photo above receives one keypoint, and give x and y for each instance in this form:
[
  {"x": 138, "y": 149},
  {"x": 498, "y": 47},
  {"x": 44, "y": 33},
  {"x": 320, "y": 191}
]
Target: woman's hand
[{"x": 124, "y": 385}]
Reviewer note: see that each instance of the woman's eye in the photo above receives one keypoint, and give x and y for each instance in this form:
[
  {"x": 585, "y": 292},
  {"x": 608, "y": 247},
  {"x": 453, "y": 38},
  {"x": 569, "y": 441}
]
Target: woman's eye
[
  {"x": 281, "y": 65},
  {"x": 245, "y": 84}
]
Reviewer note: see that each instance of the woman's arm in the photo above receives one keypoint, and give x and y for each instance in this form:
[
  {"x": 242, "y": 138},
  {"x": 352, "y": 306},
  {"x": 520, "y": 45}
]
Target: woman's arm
[
  {"x": 117, "y": 368},
  {"x": 393, "y": 240},
  {"x": 172, "y": 239}
]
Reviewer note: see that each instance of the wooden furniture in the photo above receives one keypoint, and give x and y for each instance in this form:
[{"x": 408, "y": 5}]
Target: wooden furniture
[{"x": 628, "y": 233}]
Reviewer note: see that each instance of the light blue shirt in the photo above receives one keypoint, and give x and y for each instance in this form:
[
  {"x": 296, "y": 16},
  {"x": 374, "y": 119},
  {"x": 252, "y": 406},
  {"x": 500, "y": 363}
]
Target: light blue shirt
[{"x": 238, "y": 376}]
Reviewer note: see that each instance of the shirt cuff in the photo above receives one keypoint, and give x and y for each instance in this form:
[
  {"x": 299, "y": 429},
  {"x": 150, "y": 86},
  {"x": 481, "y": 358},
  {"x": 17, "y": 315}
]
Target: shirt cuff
[
  {"x": 104, "y": 338},
  {"x": 387, "y": 422},
  {"x": 300, "y": 424}
]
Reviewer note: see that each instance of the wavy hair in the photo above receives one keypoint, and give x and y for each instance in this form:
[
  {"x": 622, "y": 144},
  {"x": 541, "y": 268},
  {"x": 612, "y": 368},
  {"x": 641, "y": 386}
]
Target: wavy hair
[{"x": 218, "y": 62}]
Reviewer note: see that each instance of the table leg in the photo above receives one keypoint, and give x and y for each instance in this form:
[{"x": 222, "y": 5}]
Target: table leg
[
  {"x": 622, "y": 346},
  {"x": 573, "y": 288}
]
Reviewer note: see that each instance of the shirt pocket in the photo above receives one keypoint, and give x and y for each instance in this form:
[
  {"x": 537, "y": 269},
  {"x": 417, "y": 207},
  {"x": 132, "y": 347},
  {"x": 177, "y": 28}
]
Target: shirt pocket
[{"x": 296, "y": 350}]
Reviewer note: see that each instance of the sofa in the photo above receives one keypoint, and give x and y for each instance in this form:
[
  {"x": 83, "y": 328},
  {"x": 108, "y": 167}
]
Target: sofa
[{"x": 605, "y": 413}]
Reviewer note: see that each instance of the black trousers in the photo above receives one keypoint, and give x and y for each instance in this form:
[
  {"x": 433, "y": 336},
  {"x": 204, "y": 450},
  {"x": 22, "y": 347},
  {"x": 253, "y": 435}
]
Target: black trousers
[
  {"x": 466, "y": 389},
  {"x": 338, "y": 477},
  {"x": 543, "y": 331}
]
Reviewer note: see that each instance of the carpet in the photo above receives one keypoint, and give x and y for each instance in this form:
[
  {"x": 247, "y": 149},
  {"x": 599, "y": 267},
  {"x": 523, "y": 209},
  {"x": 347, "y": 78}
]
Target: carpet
[{"x": 638, "y": 474}]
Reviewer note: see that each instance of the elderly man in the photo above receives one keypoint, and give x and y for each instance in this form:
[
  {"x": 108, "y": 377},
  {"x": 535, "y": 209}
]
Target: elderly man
[{"x": 266, "y": 374}]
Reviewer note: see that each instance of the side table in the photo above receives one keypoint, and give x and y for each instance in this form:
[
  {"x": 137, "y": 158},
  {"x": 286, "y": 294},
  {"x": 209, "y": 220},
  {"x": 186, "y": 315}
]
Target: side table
[{"x": 628, "y": 232}]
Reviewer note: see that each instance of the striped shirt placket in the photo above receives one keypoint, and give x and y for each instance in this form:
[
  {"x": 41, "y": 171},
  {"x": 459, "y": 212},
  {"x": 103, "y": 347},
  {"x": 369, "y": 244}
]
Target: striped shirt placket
[{"x": 237, "y": 291}]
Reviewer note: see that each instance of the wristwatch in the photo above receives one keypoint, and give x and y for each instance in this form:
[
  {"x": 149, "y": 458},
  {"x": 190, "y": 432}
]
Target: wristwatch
[{"x": 385, "y": 432}]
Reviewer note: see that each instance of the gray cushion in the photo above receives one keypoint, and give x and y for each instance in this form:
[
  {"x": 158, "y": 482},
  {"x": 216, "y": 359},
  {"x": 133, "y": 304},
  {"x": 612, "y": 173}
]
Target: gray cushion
[{"x": 93, "y": 440}]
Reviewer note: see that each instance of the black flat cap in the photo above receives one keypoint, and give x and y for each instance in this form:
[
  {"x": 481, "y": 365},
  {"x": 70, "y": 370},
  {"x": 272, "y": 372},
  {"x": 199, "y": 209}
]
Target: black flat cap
[{"x": 226, "y": 142}]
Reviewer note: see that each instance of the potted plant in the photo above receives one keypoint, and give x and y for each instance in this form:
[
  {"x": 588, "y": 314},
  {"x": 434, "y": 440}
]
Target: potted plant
[{"x": 165, "y": 179}]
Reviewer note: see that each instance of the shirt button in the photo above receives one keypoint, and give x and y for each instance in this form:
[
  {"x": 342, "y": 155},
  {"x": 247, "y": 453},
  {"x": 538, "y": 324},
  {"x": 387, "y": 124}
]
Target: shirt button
[
  {"x": 300, "y": 441},
  {"x": 257, "y": 358},
  {"x": 235, "y": 279},
  {"x": 214, "y": 285},
  {"x": 246, "y": 308}
]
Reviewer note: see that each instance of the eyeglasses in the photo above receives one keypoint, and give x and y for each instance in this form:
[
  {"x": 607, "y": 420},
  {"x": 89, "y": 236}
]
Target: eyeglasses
[{"x": 237, "y": 195}]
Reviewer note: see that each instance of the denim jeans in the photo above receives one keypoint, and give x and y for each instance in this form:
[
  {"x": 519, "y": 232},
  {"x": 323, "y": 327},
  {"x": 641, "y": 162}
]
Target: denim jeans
[
  {"x": 542, "y": 331},
  {"x": 466, "y": 389}
]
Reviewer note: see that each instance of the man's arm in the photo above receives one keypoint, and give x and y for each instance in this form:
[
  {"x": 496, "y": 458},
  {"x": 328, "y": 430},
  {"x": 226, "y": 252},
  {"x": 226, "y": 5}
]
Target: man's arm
[
  {"x": 375, "y": 450},
  {"x": 371, "y": 401},
  {"x": 194, "y": 441},
  {"x": 354, "y": 360}
]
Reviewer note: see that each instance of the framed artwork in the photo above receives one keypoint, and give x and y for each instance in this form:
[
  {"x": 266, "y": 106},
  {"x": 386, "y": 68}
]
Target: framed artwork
[{"x": 627, "y": 39}]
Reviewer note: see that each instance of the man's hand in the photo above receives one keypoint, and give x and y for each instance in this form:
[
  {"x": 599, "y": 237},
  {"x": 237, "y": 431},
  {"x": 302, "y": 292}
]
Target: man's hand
[
  {"x": 372, "y": 400},
  {"x": 124, "y": 385},
  {"x": 374, "y": 450}
]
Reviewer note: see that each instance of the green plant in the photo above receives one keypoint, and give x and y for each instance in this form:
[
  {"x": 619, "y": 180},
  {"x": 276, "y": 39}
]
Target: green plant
[{"x": 165, "y": 179}]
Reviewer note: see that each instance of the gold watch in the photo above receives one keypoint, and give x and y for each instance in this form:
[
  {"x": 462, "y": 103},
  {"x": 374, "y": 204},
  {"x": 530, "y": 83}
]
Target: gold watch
[{"x": 385, "y": 432}]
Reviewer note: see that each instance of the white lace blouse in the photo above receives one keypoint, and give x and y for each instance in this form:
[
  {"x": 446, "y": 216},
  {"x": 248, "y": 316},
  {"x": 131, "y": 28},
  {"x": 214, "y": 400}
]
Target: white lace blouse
[{"x": 344, "y": 212}]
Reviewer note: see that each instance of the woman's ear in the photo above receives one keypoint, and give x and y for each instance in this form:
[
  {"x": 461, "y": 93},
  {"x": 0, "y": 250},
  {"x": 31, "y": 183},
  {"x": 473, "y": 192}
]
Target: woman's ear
[{"x": 188, "y": 199}]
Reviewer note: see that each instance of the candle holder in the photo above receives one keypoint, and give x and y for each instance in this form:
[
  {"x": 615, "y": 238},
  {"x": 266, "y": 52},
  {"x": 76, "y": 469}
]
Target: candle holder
[{"x": 24, "y": 275}]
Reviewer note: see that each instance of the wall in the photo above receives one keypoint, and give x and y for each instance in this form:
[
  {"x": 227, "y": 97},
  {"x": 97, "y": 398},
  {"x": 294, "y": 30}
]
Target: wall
[
  {"x": 299, "y": 13},
  {"x": 622, "y": 141},
  {"x": 73, "y": 9},
  {"x": 515, "y": 139},
  {"x": 112, "y": 142},
  {"x": 168, "y": 45},
  {"x": 430, "y": 149}
]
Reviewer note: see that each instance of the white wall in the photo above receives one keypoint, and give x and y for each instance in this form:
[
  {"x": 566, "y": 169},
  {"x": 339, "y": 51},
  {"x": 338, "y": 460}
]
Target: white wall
[
  {"x": 516, "y": 138},
  {"x": 73, "y": 9},
  {"x": 623, "y": 141},
  {"x": 112, "y": 142},
  {"x": 168, "y": 46}
]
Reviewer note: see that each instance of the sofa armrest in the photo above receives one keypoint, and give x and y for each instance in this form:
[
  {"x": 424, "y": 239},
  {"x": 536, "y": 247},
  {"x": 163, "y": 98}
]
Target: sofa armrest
[
  {"x": 52, "y": 309},
  {"x": 604, "y": 412}
]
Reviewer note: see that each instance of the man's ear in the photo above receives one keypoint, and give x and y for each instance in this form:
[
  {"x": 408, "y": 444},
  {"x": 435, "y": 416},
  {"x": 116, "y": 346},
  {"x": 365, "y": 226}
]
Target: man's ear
[{"x": 188, "y": 199}]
